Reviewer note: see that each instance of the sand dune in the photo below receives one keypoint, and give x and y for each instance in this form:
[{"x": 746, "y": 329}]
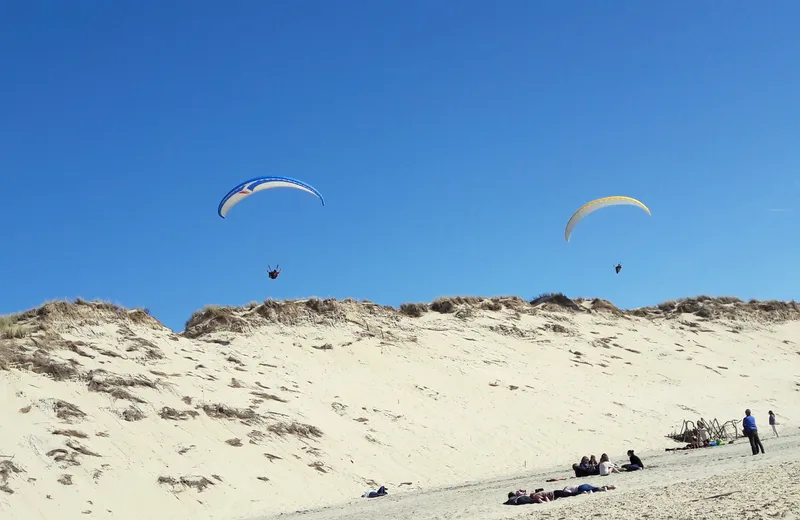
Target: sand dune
[{"x": 282, "y": 406}]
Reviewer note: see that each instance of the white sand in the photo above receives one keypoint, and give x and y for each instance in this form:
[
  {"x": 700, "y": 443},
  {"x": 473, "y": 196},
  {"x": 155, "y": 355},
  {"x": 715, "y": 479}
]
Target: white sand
[
  {"x": 434, "y": 401},
  {"x": 675, "y": 486}
]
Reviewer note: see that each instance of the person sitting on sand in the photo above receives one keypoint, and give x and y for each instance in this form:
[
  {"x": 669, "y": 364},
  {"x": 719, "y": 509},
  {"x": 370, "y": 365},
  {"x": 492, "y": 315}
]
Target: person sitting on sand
[
  {"x": 585, "y": 468},
  {"x": 593, "y": 462},
  {"x": 606, "y": 467},
  {"x": 636, "y": 463},
  {"x": 587, "y": 488}
]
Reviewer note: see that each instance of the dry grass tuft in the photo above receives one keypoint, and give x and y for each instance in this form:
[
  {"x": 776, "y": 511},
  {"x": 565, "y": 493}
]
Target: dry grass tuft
[
  {"x": 295, "y": 428},
  {"x": 177, "y": 415},
  {"x": 141, "y": 315},
  {"x": 132, "y": 414},
  {"x": 497, "y": 303},
  {"x": 64, "y": 457},
  {"x": 81, "y": 309},
  {"x": 605, "y": 305},
  {"x": 234, "y": 442},
  {"x": 70, "y": 433},
  {"x": 724, "y": 307},
  {"x": 415, "y": 310},
  {"x": 319, "y": 466},
  {"x": 317, "y": 310},
  {"x": 555, "y": 299},
  {"x": 79, "y": 448},
  {"x": 114, "y": 384},
  {"x": 326, "y": 306},
  {"x": 75, "y": 346},
  {"x": 256, "y": 436},
  {"x": 10, "y": 328},
  {"x": 179, "y": 484},
  {"x": 67, "y": 411},
  {"x": 214, "y": 318},
  {"x": 8, "y": 468},
  {"x": 269, "y": 397},
  {"x": 40, "y": 363},
  {"x": 556, "y": 327},
  {"x": 449, "y": 304},
  {"x": 491, "y": 305},
  {"x": 221, "y": 411}
]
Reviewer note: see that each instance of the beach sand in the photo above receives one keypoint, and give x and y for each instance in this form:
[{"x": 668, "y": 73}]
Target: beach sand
[
  {"x": 710, "y": 483},
  {"x": 275, "y": 407}
]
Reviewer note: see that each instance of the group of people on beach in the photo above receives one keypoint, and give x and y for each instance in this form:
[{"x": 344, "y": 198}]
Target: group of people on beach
[
  {"x": 539, "y": 496},
  {"x": 590, "y": 466},
  {"x": 699, "y": 436}
]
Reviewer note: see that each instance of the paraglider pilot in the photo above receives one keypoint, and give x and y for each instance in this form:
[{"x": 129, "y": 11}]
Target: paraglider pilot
[
  {"x": 273, "y": 273},
  {"x": 618, "y": 268}
]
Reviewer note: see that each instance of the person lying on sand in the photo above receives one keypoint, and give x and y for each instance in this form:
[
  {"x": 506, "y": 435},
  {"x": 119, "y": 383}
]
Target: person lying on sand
[
  {"x": 371, "y": 493},
  {"x": 540, "y": 496},
  {"x": 606, "y": 467},
  {"x": 519, "y": 498},
  {"x": 587, "y": 488},
  {"x": 693, "y": 446}
]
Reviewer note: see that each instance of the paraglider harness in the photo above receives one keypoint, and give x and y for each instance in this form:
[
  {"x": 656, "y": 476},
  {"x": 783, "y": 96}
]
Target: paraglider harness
[
  {"x": 618, "y": 268},
  {"x": 273, "y": 273}
]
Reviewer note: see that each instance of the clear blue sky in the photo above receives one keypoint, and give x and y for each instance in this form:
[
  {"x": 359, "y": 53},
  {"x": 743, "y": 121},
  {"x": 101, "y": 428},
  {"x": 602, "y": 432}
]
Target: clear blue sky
[{"x": 452, "y": 141}]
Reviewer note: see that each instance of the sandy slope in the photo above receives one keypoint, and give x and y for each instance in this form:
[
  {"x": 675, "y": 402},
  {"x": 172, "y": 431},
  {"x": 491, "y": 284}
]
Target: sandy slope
[
  {"x": 724, "y": 482},
  {"x": 270, "y": 400}
]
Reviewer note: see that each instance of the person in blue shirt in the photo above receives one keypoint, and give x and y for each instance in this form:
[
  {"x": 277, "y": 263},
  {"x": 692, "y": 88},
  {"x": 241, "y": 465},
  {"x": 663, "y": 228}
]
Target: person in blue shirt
[{"x": 750, "y": 430}]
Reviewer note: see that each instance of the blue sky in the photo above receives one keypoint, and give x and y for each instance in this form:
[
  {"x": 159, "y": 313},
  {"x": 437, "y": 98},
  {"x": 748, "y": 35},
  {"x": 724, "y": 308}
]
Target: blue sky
[{"x": 451, "y": 140}]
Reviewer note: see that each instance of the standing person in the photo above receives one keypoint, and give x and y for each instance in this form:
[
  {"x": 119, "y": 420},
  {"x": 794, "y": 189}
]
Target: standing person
[
  {"x": 750, "y": 430},
  {"x": 773, "y": 423}
]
